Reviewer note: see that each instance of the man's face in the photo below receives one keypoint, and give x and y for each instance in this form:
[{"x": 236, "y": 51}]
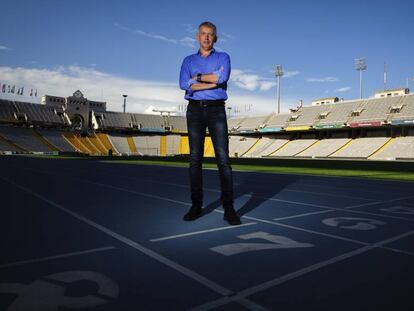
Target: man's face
[{"x": 205, "y": 37}]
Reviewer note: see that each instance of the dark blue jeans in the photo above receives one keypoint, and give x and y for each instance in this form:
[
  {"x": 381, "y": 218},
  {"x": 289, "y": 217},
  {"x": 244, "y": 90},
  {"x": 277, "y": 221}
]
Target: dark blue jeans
[{"x": 212, "y": 116}]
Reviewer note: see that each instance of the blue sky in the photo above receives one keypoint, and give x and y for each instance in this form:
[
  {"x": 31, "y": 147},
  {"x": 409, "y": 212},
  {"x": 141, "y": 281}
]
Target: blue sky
[{"x": 107, "y": 48}]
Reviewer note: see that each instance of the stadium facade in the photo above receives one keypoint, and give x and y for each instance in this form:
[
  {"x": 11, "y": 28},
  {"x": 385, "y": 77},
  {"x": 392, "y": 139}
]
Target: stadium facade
[{"x": 378, "y": 128}]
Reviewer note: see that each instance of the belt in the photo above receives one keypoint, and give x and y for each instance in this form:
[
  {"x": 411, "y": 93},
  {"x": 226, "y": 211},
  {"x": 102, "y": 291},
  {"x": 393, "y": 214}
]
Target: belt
[{"x": 206, "y": 102}]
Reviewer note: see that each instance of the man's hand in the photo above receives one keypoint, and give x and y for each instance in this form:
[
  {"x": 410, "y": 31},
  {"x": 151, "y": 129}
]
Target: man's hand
[
  {"x": 203, "y": 86},
  {"x": 210, "y": 77}
]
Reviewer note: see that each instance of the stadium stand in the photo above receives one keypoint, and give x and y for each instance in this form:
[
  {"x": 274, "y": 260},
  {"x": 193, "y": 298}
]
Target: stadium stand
[
  {"x": 178, "y": 124},
  {"x": 148, "y": 145},
  {"x": 318, "y": 131},
  {"x": 96, "y": 142},
  {"x": 6, "y": 146},
  {"x": 276, "y": 121},
  {"x": 233, "y": 123},
  {"x": 208, "y": 147},
  {"x": 173, "y": 144},
  {"x": 39, "y": 114},
  {"x": 251, "y": 124},
  {"x": 404, "y": 111},
  {"x": 376, "y": 109},
  {"x": 24, "y": 138},
  {"x": 338, "y": 115},
  {"x": 259, "y": 147},
  {"x": 132, "y": 145},
  {"x": 184, "y": 147},
  {"x": 293, "y": 147},
  {"x": 276, "y": 145},
  {"x": 107, "y": 143},
  {"x": 239, "y": 145},
  {"x": 45, "y": 141},
  {"x": 114, "y": 120},
  {"x": 141, "y": 144},
  {"x": 7, "y": 111},
  {"x": 153, "y": 145},
  {"x": 147, "y": 122},
  {"x": 323, "y": 148},
  {"x": 361, "y": 147},
  {"x": 120, "y": 142},
  {"x": 398, "y": 148},
  {"x": 307, "y": 116},
  {"x": 89, "y": 145},
  {"x": 55, "y": 137},
  {"x": 74, "y": 140}
]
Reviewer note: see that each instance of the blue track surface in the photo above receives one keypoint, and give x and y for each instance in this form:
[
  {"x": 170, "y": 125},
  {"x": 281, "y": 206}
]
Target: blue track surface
[{"x": 87, "y": 235}]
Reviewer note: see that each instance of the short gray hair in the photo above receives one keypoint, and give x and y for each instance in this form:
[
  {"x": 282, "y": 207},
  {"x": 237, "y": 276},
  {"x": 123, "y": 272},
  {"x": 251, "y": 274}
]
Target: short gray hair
[{"x": 209, "y": 25}]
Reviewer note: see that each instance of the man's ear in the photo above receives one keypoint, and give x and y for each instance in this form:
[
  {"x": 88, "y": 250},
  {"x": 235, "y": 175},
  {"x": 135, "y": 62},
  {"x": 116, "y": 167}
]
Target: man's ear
[{"x": 215, "y": 39}]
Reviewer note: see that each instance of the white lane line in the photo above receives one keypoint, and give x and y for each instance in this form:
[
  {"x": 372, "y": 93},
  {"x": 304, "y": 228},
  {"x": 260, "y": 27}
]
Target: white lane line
[
  {"x": 305, "y": 204},
  {"x": 285, "y": 189},
  {"x": 247, "y": 217},
  {"x": 379, "y": 202},
  {"x": 329, "y": 194},
  {"x": 363, "y": 204},
  {"x": 269, "y": 199},
  {"x": 305, "y": 230},
  {"x": 176, "y": 201},
  {"x": 36, "y": 260},
  {"x": 177, "y": 267},
  {"x": 215, "y": 190},
  {"x": 293, "y": 275},
  {"x": 397, "y": 250},
  {"x": 201, "y": 232},
  {"x": 305, "y": 214},
  {"x": 240, "y": 184}
]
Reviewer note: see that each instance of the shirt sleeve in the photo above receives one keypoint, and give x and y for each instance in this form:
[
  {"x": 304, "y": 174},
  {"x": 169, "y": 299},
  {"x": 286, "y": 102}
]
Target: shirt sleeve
[
  {"x": 185, "y": 76},
  {"x": 224, "y": 72}
]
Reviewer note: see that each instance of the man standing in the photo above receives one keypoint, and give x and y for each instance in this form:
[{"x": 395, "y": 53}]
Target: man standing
[{"x": 204, "y": 77}]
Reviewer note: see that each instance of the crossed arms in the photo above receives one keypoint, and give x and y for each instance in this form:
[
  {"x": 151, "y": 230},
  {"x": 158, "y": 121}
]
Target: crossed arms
[
  {"x": 188, "y": 78},
  {"x": 208, "y": 81}
]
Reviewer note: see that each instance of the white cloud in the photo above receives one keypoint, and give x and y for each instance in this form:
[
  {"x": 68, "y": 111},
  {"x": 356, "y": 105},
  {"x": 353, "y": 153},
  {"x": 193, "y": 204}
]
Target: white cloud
[
  {"x": 95, "y": 85},
  {"x": 226, "y": 35},
  {"x": 267, "y": 85},
  {"x": 326, "y": 79},
  {"x": 150, "y": 109},
  {"x": 190, "y": 28},
  {"x": 5, "y": 48},
  {"x": 143, "y": 96},
  {"x": 291, "y": 74},
  {"x": 259, "y": 105},
  {"x": 343, "y": 89},
  {"x": 249, "y": 81},
  {"x": 286, "y": 74},
  {"x": 186, "y": 41}
]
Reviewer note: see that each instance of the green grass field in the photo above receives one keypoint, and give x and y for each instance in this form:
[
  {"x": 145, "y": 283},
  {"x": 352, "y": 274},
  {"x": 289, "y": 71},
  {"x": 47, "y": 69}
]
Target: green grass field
[
  {"x": 385, "y": 175},
  {"x": 308, "y": 167}
]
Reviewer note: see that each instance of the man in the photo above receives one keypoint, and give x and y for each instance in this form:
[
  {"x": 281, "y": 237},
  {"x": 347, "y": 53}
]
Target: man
[{"x": 204, "y": 77}]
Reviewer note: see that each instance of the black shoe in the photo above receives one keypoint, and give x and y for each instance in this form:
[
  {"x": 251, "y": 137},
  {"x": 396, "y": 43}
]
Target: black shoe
[
  {"x": 231, "y": 216},
  {"x": 194, "y": 213}
]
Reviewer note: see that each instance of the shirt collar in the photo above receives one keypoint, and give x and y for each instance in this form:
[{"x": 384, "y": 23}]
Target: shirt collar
[{"x": 213, "y": 50}]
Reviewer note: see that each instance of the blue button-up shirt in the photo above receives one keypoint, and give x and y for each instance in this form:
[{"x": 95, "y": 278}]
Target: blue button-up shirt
[{"x": 217, "y": 63}]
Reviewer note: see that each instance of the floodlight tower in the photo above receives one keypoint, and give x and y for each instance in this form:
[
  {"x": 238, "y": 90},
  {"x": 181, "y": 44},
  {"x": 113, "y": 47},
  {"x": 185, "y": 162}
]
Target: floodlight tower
[
  {"x": 278, "y": 74},
  {"x": 360, "y": 65},
  {"x": 125, "y": 96}
]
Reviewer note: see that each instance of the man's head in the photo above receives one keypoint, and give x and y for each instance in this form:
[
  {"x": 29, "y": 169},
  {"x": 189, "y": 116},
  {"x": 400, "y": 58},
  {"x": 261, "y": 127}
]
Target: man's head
[{"x": 207, "y": 35}]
